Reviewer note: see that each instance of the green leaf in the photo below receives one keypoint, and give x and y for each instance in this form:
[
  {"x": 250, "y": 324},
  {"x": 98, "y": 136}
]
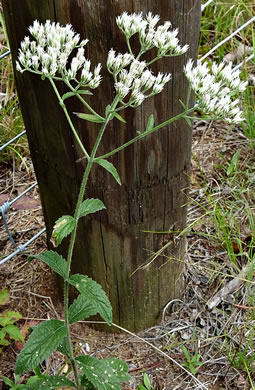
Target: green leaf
[
  {"x": 63, "y": 227},
  {"x": 85, "y": 92},
  {"x": 67, "y": 95},
  {"x": 2, "y": 335},
  {"x": 79, "y": 92},
  {"x": 90, "y": 206},
  {"x": 50, "y": 382},
  {"x": 80, "y": 309},
  {"x": 107, "y": 109},
  {"x": 150, "y": 123},
  {"x": 45, "y": 339},
  {"x": 106, "y": 374},
  {"x": 90, "y": 117},
  {"x": 54, "y": 261},
  {"x": 62, "y": 348},
  {"x": 141, "y": 387},
  {"x": 4, "y": 296},
  {"x": 146, "y": 381},
  {"x": 233, "y": 163},
  {"x": 186, "y": 353},
  {"x": 8, "y": 381},
  {"x": 3, "y": 340},
  {"x": 119, "y": 117},
  {"x": 9, "y": 317},
  {"x": 188, "y": 120},
  {"x": 14, "y": 332},
  {"x": 110, "y": 168},
  {"x": 94, "y": 295}
]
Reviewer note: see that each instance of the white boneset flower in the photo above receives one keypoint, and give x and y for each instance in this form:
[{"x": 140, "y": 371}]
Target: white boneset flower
[
  {"x": 216, "y": 91},
  {"x": 25, "y": 44},
  {"x": 121, "y": 89},
  {"x": 129, "y": 23},
  {"x": 86, "y": 76},
  {"x": 18, "y": 67},
  {"x": 35, "y": 61},
  {"x": 147, "y": 79},
  {"x": 35, "y": 28},
  {"x": 137, "y": 67},
  {"x": 94, "y": 83},
  {"x": 97, "y": 70},
  {"x": 49, "y": 53},
  {"x": 157, "y": 88},
  {"x": 137, "y": 98},
  {"x": 181, "y": 50},
  {"x": 152, "y": 20}
]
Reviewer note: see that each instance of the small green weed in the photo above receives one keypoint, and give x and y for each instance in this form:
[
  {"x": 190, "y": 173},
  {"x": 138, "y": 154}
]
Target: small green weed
[
  {"x": 7, "y": 320},
  {"x": 146, "y": 384},
  {"x": 192, "y": 362},
  {"x": 11, "y": 122}
]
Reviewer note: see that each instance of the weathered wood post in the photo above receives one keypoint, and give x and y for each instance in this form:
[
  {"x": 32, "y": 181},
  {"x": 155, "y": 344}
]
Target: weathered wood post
[{"x": 154, "y": 173}]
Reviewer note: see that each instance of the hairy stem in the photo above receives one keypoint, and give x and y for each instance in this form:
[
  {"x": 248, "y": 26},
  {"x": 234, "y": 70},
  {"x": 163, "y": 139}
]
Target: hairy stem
[
  {"x": 73, "y": 236},
  {"x": 82, "y": 100},
  {"x": 69, "y": 119},
  {"x": 142, "y": 135}
]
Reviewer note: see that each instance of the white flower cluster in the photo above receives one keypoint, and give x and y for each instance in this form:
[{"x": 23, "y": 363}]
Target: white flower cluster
[
  {"x": 165, "y": 41},
  {"x": 49, "y": 54},
  {"x": 216, "y": 90},
  {"x": 133, "y": 78}
]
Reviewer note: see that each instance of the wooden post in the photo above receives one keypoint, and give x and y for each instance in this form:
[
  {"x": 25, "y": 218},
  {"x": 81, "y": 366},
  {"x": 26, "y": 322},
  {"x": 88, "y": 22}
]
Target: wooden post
[{"x": 114, "y": 243}]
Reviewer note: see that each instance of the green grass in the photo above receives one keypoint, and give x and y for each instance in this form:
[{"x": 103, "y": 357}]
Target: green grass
[
  {"x": 219, "y": 20},
  {"x": 11, "y": 122}
]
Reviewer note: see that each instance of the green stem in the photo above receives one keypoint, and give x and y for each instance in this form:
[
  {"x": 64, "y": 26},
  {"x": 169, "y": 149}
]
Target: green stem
[
  {"x": 68, "y": 118},
  {"x": 74, "y": 90},
  {"x": 129, "y": 46},
  {"x": 142, "y": 135},
  {"x": 73, "y": 237}
]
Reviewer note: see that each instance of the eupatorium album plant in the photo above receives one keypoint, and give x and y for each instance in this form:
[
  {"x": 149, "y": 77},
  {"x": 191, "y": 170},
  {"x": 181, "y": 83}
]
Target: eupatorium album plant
[{"x": 46, "y": 52}]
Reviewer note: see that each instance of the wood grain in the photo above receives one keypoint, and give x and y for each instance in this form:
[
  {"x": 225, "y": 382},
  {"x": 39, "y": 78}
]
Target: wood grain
[{"x": 112, "y": 244}]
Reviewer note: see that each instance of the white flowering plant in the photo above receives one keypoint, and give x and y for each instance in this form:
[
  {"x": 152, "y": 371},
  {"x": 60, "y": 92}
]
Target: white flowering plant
[{"x": 48, "y": 54}]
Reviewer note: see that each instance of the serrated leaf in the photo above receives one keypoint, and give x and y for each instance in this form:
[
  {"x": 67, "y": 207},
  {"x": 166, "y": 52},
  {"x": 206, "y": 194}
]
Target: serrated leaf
[
  {"x": 14, "y": 332},
  {"x": 94, "y": 294},
  {"x": 119, "y": 117},
  {"x": 50, "y": 382},
  {"x": 150, "y": 123},
  {"x": 54, "y": 261},
  {"x": 90, "y": 206},
  {"x": 63, "y": 227},
  {"x": 4, "y": 296},
  {"x": 90, "y": 117},
  {"x": 110, "y": 168},
  {"x": 44, "y": 340},
  {"x": 62, "y": 348},
  {"x": 80, "y": 309},
  {"x": 106, "y": 374}
]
